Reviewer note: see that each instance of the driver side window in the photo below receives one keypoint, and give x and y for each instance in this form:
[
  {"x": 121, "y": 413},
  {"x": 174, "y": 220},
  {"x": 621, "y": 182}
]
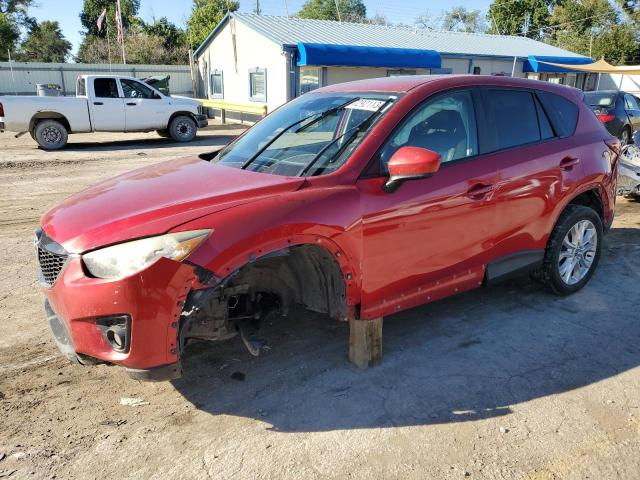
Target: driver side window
[
  {"x": 133, "y": 89},
  {"x": 446, "y": 125}
]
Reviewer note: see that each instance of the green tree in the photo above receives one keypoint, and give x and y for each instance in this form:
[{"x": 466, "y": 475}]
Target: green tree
[
  {"x": 9, "y": 35},
  {"x": 173, "y": 36},
  {"x": 205, "y": 15},
  {"x": 44, "y": 43},
  {"x": 16, "y": 11},
  {"x": 13, "y": 17},
  {"x": 618, "y": 45},
  {"x": 593, "y": 28},
  {"x": 459, "y": 19},
  {"x": 92, "y": 9},
  {"x": 516, "y": 17},
  {"x": 631, "y": 8},
  {"x": 350, "y": 10}
]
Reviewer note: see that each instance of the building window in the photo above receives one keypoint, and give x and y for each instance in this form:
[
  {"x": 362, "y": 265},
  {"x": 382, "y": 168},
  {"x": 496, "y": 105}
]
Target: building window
[
  {"x": 400, "y": 72},
  {"x": 216, "y": 84},
  {"x": 258, "y": 85},
  {"x": 309, "y": 79}
]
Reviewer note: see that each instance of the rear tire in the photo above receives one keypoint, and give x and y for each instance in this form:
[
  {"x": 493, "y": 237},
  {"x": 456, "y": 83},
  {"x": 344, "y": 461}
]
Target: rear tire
[
  {"x": 573, "y": 251},
  {"x": 183, "y": 128},
  {"x": 625, "y": 137},
  {"x": 50, "y": 134}
]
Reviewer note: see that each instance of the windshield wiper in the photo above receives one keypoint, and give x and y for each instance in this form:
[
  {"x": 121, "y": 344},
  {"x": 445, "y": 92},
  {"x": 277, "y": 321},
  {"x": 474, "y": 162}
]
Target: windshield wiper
[
  {"x": 352, "y": 132},
  {"x": 324, "y": 114}
]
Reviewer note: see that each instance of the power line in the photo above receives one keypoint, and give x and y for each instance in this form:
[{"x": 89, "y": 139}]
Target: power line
[{"x": 559, "y": 25}]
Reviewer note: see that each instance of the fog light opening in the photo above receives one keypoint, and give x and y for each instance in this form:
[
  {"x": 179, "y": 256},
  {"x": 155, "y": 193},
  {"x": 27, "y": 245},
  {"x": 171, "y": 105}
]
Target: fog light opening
[
  {"x": 116, "y": 339},
  {"x": 117, "y": 331}
]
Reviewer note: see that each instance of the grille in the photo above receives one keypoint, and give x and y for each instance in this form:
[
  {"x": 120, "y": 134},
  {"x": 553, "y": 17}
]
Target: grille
[{"x": 51, "y": 264}]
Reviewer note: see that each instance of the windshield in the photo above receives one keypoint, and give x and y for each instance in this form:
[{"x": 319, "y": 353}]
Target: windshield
[
  {"x": 312, "y": 135},
  {"x": 600, "y": 99}
]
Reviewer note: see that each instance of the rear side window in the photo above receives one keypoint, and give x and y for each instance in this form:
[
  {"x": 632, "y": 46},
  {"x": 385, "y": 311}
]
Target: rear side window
[
  {"x": 513, "y": 118},
  {"x": 82, "y": 87},
  {"x": 562, "y": 113},
  {"x": 630, "y": 102},
  {"x": 546, "y": 130},
  {"x": 105, "y": 88}
]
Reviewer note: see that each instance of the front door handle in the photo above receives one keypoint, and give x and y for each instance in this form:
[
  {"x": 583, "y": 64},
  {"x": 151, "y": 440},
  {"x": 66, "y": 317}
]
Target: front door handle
[
  {"x": 567, "y": 163},
  {"x": 98, "y": 103},
  {"x": 479, "y": 191},
  {"x": 132, "y": 104}
]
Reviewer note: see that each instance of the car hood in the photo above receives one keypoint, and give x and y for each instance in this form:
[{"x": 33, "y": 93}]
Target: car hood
[
  {"x": 155, "y": 199},
  {"x": 178, "y": 100}
]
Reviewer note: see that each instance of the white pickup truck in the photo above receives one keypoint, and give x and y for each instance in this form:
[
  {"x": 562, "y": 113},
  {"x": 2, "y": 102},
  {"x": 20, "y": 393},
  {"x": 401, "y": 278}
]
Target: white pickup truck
[{"x": 103, "y": 103}]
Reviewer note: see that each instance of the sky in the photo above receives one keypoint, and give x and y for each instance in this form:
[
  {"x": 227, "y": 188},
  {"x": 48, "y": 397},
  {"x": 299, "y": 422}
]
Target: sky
[{"x": 66, "y": 12}]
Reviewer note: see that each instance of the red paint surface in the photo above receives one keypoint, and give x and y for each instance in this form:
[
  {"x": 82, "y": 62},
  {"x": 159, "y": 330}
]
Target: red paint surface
[{"x": 429, "y": 239}]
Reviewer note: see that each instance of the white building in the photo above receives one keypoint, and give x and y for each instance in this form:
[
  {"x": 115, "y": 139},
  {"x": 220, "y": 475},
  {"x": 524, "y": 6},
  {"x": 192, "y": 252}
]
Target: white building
[{"x": 266, "y": 60}]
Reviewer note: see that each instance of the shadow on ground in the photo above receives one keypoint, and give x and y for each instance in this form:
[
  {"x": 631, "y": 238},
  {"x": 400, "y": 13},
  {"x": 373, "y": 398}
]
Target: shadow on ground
[
  {"x": 465, "y": 358},
  {"x": 205, "y": 138}
]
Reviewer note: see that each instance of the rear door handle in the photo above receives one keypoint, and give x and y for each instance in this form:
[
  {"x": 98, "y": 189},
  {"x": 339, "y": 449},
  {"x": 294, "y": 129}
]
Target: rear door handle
[
  {"x": 567, "y": 163},
  {"x": 479, "y": 191},
  {"x": 98, "y": 103},
  {"x": 132, "y": 104}
]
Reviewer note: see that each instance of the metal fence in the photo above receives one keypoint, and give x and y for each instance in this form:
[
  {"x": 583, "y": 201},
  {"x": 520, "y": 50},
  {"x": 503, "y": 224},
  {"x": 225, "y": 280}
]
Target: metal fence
[{"x": 21, "y": 78}]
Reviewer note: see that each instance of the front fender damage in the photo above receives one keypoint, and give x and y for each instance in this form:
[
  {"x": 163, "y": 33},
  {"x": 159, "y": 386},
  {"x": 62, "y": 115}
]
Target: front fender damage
[{"x": 240, "y": 304}]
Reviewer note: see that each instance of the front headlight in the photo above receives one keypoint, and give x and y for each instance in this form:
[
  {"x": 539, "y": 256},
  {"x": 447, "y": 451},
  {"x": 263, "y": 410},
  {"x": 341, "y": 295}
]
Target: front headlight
[{"x": 128, "y": 258}]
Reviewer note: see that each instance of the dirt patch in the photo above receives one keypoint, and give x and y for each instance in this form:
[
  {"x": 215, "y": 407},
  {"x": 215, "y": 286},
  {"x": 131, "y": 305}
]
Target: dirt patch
[{"x": 505, "y": 382}]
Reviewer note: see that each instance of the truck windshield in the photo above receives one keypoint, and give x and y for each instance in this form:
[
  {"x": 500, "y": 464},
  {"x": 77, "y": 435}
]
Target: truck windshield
[{"x": 312, "y": 135}]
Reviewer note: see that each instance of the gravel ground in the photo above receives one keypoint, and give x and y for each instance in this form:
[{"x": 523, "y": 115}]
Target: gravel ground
[{"x": 506, "y": 382}]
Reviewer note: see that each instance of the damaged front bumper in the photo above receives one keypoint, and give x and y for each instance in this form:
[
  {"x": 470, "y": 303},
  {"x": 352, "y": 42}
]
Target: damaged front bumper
[{"x": 131, "y": 322}]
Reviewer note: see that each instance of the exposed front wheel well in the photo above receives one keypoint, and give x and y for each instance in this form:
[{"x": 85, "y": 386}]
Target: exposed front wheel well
[{"x": 306, "y": 275}]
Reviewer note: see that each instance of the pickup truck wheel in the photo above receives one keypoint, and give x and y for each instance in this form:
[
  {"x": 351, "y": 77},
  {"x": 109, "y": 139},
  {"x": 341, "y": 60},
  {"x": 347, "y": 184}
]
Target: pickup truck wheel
[
  {"x": 51, "y": 134},
  {"x": 573, "y": 251},
  {"x": 163, "y": 133},
  {"x": 183, "y": 129}
]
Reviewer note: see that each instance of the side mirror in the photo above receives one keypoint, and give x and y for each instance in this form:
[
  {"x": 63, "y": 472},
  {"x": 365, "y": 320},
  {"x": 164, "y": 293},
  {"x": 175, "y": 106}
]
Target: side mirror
[{"x": 410, "y": 163}]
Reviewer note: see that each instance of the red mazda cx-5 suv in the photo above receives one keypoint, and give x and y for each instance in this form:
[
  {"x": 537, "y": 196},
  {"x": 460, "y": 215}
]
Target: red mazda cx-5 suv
[{"x": 358, "y": 200}]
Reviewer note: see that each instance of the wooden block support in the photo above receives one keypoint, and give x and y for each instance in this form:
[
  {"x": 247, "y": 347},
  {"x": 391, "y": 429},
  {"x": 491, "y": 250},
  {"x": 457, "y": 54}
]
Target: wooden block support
[{"x": 365, "y": 342}]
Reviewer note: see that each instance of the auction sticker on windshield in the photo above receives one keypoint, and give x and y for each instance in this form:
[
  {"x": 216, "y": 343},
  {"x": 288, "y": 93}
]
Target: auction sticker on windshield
[{"x": 369, "y": 104}]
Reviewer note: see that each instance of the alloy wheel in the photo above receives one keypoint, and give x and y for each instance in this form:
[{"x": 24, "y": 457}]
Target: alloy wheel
[{"x": 578, "y": 252}]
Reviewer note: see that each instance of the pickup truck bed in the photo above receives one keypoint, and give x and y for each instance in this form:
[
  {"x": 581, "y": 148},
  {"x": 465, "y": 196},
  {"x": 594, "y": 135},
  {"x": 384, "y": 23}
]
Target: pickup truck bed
[{"x": 19, "y": 112}]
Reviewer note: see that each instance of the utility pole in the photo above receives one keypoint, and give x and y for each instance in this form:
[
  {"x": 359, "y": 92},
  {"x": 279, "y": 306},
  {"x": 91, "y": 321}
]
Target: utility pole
[
  {"x": 338, "y": 10},
  {"x": 120, "y": 30},
  {"x": 13, "y": 79},
  {"x": 257, "y": 7},
  {"x": 527, "y": 24}
]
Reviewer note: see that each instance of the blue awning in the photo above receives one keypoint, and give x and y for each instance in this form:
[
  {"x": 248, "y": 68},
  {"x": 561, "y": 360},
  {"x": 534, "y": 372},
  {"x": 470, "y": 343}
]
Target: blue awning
[
  {"x": 357, "y": 56},
  {"x": 533, "y": 63}
]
